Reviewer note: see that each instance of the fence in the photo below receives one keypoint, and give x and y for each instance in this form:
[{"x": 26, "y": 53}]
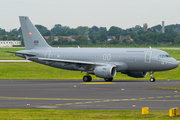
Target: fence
[{"x": 117, "y": 45}]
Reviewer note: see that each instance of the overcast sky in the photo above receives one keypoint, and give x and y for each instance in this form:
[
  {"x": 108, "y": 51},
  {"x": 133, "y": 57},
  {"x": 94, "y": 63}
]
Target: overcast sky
[{"x": 102, "y": 13}]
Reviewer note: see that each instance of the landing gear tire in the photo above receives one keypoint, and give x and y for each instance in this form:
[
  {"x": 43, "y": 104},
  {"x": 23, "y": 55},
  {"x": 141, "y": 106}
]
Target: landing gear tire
[
  {"x": 152, "y": 79},
  {"x": 108, "y": 79},
  {"x": 87, "y": 78}
]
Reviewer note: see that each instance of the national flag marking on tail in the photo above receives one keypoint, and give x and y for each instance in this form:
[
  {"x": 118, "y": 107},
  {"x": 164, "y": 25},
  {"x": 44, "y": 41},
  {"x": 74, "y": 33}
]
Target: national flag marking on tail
[{"x": 30, "y": 33}]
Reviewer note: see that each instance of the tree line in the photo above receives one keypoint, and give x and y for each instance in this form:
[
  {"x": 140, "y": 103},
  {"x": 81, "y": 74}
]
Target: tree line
[{"x": 99, "y": 35}]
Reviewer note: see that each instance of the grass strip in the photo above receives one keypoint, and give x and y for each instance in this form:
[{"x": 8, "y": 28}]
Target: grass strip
[
  {"x": 168, "y": 88},
  {"x": 34, "y": 70},
  {"x": 4, "y": 55},
  {"x": 51, "y": 114}
]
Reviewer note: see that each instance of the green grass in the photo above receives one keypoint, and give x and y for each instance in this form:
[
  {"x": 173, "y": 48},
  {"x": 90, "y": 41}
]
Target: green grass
[
  {"x": 5, "y": 56},
  {"x": 34, "y": 70},
  {"x": 175, "y": 53},
  {"x": 168, "y": 88},
  {"x": 49, "y": 114}
]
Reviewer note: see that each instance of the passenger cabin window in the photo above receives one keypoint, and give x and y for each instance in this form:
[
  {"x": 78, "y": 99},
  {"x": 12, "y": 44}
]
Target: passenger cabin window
[{"x": 164, "y": 56}]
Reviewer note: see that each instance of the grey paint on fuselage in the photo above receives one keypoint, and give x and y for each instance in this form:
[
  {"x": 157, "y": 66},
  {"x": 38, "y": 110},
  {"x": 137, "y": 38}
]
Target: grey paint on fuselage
[{"x": 126, "y": 59}]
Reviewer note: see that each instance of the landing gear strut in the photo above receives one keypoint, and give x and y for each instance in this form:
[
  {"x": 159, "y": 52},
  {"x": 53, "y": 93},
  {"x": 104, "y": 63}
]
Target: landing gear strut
[
  {"x": 152, "y": 79},
  {"x": 108, "y": 79},
  {"x": 87, "y": 78}
]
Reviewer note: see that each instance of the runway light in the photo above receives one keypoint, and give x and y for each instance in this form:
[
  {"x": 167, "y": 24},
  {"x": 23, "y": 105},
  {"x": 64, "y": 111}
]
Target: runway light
[
  {"x": 133, "y": 105},
  {"x": 74, "y": 86},
  {"x": 175, "y": 91},
  {"x": 28, "y": 104},
  {"x": 122, "y": 89}
]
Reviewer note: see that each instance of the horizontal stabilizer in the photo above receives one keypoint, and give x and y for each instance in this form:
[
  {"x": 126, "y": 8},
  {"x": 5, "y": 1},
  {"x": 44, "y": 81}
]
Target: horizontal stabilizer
[{"x": 20, "y": 53}]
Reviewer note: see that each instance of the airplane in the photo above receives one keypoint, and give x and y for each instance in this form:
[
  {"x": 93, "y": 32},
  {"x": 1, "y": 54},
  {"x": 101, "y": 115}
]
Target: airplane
[{"x": 101, "y": 62}]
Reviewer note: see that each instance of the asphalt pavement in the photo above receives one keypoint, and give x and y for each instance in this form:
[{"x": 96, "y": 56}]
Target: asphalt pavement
[{"x": 75, "y": 94}]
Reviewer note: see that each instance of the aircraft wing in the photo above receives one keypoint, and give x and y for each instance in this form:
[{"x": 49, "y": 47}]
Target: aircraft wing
[{"x": 70, "y": 61}]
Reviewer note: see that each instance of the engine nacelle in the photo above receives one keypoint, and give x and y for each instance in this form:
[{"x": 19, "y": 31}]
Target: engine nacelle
[
  {"x": 137, "y": 74},
  {"x": 105, "y": 71}
]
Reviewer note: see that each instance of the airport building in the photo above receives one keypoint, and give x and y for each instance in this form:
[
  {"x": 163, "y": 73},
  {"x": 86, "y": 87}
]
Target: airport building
[{"x": 9, "y": 43}]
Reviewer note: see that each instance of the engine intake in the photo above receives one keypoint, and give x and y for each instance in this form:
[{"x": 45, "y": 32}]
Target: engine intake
[{"x": 105, "y": 71}]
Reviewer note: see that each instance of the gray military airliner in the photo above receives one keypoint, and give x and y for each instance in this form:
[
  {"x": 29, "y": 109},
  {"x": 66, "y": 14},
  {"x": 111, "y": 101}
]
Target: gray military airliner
[{"x": 102, "y": 62}]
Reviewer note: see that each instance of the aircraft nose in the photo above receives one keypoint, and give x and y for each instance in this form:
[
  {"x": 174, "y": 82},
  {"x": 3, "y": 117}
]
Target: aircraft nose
[
  {"x": 172, "y": 63},
  {"x": 176, "y": 64}
]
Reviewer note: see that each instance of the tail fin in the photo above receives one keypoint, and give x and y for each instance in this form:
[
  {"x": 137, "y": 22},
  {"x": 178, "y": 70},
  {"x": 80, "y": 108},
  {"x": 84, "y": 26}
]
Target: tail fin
[{"x": 32, "y": 37}]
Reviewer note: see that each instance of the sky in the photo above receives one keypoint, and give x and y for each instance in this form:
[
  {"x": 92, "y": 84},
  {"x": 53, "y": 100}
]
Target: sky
[{"x": 102, "y": 13}]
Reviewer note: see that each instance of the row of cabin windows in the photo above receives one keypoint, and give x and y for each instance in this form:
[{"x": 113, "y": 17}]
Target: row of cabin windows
[{"x": 65, "y": 56}]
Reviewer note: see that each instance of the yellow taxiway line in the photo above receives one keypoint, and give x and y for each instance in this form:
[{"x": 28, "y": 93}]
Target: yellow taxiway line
[
  {"x": 27, "y": 98},
  {"x": 98, "y": 83}
]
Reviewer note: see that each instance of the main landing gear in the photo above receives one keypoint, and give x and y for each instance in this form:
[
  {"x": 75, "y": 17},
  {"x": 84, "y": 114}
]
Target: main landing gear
[
  {"x": 152, "y": 79},
  {"x": 87, "y": 78}
]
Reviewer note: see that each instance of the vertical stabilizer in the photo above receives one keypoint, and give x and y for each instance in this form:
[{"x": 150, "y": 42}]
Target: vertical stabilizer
[{"x": 32, "y": 37}]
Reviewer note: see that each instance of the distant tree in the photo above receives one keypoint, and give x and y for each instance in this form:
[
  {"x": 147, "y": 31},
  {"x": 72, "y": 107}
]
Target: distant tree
[
  {"x": 140, "y": 32},
  {"x": 114, "y": 41},
  {"x": 169, "y": 38},
  {"x": 137, "y": 40},
  {"x": 48, "y": 33},
  {"x": 72, "y": 32},
  {"x": 43, "y": 30},
  {"x": 58, "y": 29},
  {"x": 83, "y": 30},
  {"x": 128, "y": 37},
  {"x": 114, "y": 31},
  {"x": 103, "y": 37},
  {"x": 177, "y": 40},
  {"x": 92, "y": 38},
  {"x": 2, "y": 32},
  {"x": 137, "y": 27},
  {"x": 102, "y": 29},
  {"x": 157, "y": 27},
  {"x": 171, "y": 31},
  {"x": 4, "y": 37},
  {"x": 11, "y": 37},
  {"x": 82, "y": 40},
  {"x": 95, "y": 28},
  {"x": 174, "y": 26}
]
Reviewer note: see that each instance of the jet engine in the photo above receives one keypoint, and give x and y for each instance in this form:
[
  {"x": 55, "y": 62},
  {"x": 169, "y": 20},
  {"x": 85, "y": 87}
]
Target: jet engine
[
  {"x": 136, "y": 74},
  {"x": 105, "y": 71}
]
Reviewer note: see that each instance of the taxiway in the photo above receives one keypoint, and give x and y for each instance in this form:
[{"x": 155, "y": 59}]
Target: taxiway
[{"x": 75, "y": 94}]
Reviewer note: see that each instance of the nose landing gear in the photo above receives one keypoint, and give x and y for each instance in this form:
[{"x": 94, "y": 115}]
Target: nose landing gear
[{"x": 152, "y": 79}]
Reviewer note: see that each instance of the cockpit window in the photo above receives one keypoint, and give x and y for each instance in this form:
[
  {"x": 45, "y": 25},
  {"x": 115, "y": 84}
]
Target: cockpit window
[{"x": 164, "y": 56}]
